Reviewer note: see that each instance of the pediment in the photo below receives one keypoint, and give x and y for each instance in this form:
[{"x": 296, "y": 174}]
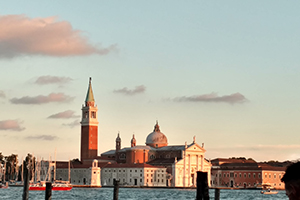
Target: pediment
[{"x": 195, "y": 147}]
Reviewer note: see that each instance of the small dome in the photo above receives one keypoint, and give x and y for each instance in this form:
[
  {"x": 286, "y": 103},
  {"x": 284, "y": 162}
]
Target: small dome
[{"x": 156, "y": 138}]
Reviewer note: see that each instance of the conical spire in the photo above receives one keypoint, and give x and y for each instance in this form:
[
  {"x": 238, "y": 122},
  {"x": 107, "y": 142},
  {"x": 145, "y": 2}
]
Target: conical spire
[{"x": 89, "y": 100}]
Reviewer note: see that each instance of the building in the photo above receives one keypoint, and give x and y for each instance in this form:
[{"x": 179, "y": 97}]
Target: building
[
  {"x": 78, "y": 173},
  {"x": 181, "y": 161},
  {"x": 169, "y": 165},
  {"x": 243, "y": 173},
  {"x": 139, "y": 174}
]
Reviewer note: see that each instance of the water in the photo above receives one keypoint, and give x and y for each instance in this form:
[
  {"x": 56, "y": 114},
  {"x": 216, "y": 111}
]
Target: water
[{"x": 137, "y": 194}]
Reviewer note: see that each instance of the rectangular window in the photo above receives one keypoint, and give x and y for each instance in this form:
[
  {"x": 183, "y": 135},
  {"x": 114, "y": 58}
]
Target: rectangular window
[
  {"x": 240, "y": 175},
  {"x": 141, "y": 180},
  {"x": 245, "y": 175},
  {"x": 249, "y": 175},
  {"x": 231, "y": 174},
  {"x": 253, "y": 175}
]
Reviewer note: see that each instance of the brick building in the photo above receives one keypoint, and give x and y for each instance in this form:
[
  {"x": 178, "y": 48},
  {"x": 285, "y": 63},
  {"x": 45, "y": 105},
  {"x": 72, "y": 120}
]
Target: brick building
[{"x": 243, "y": 173}]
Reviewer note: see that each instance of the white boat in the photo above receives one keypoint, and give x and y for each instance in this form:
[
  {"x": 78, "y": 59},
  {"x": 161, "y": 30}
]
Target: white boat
[
  {"x": 269, "y": 192},
  {"x": 268, "y": 189}
]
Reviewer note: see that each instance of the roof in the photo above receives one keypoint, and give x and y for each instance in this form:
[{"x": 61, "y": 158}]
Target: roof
[
  {"x": 156, "y": 137},
  {"x": 220, "y": 161},
  {"x": 137, "y": 165},
  {"x": 109, "y": 152},
  {"x": 90, "y": 95},
  {"x": 172, "y": 148},
  {"x": 162, "y": 161}
]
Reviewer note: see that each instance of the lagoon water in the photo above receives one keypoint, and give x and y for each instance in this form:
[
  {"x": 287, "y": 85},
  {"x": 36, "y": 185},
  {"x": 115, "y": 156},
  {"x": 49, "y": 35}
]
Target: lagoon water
[{"x": 137, "y": 194}]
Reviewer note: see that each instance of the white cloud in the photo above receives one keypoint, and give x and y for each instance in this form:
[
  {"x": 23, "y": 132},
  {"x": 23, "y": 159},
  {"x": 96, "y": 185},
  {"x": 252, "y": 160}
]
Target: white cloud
[{"x": 21, "y": 35}]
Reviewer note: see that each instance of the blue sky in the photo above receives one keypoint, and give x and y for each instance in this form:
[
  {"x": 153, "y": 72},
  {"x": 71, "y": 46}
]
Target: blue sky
[{"x": 224, "y": 71}]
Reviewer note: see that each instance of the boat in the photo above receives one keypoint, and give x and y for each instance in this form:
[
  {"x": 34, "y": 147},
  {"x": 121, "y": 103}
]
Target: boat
[
  {"x": 269, "y": 192},
  {"x": 56, "y": 186},
  {"x": 268, "y": 189},
  {"x": 4, "y": 186}
]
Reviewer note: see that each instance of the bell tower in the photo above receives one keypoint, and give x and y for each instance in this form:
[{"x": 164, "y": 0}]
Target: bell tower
[
  {"x": 118, "y": 143},
  {"x": 89, "y": 127}
]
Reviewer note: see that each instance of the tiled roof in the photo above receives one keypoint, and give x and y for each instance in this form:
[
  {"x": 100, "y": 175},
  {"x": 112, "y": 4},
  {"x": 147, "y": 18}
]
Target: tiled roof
[
  {"x": 110, "y": 152},
  {"x": 162, "y": 161}
]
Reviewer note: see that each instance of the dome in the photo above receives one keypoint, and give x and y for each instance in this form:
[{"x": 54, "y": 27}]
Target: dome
[{"x": 156, "y": 138}]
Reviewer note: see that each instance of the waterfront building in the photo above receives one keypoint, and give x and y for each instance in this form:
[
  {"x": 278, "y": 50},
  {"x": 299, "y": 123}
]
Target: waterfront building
[
  {"x": 179, "y": 163},
  {"x": 78, "y": 173},
  {"x": 139, "y": 174},
  {"x": 243, "y": 173}
]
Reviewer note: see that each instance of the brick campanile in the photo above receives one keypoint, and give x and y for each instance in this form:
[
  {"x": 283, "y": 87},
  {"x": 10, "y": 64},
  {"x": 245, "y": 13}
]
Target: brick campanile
[{"x": 89, "y": 127}]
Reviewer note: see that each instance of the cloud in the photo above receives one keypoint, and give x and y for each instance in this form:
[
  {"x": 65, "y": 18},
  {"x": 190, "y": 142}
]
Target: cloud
[
  {"x": 12, "y": 125},
  {"x": 42, "y": 137},
  {"x": 136, "y": 90},
  {"x": 213, "y": 97},
  {"x": 21, "y": 35},
  {"x": 2, "y": 94},
  {"x": 43, "y": 80},
  {"x": 65, "y": 115},
  {"x": 73, "y": 124},
  {"x": 53, "y": 97}
]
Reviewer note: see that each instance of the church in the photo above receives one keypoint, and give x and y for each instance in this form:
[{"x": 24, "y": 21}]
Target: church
[{"x": 154, "y": 164}]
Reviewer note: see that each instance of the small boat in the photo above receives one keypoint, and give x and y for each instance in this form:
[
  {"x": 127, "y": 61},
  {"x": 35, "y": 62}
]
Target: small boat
[
  {"x": 269, "y": 192},
  {"x": 58, "y": 186},
  {"x": 268, "y": 189}
]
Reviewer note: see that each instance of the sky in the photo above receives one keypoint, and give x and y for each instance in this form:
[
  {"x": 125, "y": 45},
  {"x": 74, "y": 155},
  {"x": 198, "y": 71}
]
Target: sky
[{"x": 224, "y": 71}]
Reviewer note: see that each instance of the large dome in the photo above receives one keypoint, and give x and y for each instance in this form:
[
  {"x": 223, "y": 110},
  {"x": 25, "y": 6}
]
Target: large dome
[{"x": 156, "y": 138}]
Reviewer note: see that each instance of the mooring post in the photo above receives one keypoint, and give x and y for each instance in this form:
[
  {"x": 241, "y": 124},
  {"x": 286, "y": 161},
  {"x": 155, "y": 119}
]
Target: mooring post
[
  {"x": 116, "y": 189},
  {"x": 217, "y": 194},
  {"x": 26, "y": 180},
  {"x": 48, "y": 194},
  {"x": 202, "y": 186}
]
